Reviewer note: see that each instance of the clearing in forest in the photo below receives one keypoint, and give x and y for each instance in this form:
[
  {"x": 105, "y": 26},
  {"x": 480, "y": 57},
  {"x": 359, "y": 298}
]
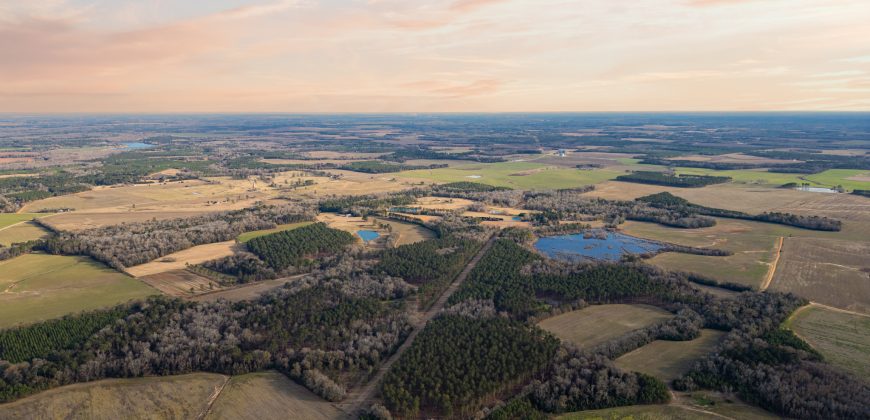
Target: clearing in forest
[
  {"x": 596, "y": 324},
  {"x": 180, "y": 283},
  {"x": 36, "y": 287},
  {"x": 668, "y": 360}
]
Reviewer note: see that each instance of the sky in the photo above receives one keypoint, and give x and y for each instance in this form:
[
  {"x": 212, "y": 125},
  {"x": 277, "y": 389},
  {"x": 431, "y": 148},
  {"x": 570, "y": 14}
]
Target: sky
[{"x": 161, "y": 56}]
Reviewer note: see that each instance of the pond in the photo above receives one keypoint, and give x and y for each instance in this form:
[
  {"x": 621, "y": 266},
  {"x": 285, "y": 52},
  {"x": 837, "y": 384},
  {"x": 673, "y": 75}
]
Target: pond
[
  {"x": 367, "y": 235},
  {"x": 599, "y": 245},
  {"x": 138, "y": 145}
]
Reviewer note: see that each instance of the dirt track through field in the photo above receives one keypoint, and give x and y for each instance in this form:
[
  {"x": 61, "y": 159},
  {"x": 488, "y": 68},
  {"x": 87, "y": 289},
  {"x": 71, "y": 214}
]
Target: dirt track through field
[
  {"x": 214, "y": 396},
  {"x": 358, "y": 399},
  {"x": 772, "y": 269}
]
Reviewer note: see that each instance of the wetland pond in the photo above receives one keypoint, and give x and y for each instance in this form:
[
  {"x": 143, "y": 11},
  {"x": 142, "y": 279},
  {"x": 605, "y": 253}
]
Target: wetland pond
[
  {"x": 367, "y": 235},
  {"x": 596, "y": 246}
]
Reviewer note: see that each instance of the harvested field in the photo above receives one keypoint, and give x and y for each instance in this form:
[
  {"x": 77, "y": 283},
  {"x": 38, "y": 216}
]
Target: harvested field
[
  {"x": 182, "y": 397},
  {"x": 21, "y": 232},
  {"x": 246, "y": 291},
  {"x": 179, "y": 260},
  {"x": 842, "y": 338},
  {"x": 597, "y": 324},
  {"x": 247, "y": 236},
  {"x": 442, "y": 203},
  {"x": 180, "y": 283},
  {"x": 668, "y": 360},
  {"x": 503, "y": 175},
  {"x": 75, "y": 221},
  {"x": 270, "y": 395},
  {"x": 36, "y": 287},
  {"x": 831, "y": 272}
]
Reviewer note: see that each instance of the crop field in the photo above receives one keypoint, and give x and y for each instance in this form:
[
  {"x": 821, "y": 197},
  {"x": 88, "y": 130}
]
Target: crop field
[
  {"x": 753, "y": 244},
  {"x": 596, "y": 324},
  {"x": 270, "y": 395},
  {"x": 831, "y": 272},
  {"x": 519, "y": 175},
  {"x": 842, "y": 338},
  {"x": 21, "y": 232},
  {"x": 9, "y": 219},
  {"x": 76, "y": 221},
  {"x": 36, "y": 287},
  {"x": 668, "y": 360},
  {"x": 247, "y": 236},
  {"x": 180, "y": 283},
  {"x": 183, "y": 396},
  {"x": 179, "y": 260}
]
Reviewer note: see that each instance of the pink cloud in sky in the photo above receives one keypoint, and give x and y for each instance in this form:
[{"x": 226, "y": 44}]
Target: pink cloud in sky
[{"x": 442, "y": 55}]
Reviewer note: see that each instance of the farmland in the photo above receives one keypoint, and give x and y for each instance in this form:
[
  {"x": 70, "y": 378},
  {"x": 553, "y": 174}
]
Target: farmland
[
  {"x": 842, "y": 338},
  {"x": 597, "y": 324},
  {"x": 269, "y": 395},
  {"x": 9, "y": 219},
  {"x": 180, "y": 283},
  {"x": 183, "y": 396},
  {"x": 178, "y": 260},
  {"x": 21, "y": 232},
  {"x": 668, "y": 360},
  {"x": 831, "y": 272},
  {"x": 521, "y": 175},
  {"x": 60, "y": 285}
]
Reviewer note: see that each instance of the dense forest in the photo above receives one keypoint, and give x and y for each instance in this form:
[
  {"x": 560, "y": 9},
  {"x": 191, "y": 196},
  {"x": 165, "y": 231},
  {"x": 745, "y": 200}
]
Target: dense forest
[
  {"x": 129, "y": 244},
  {"x": 670, "y": 180},
  {"x": 291, "y": 248}
]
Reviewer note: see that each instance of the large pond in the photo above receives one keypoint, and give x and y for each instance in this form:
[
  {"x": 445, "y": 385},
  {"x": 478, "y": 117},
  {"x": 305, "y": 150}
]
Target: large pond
[
  {"x": 368, "y": 235},
  {"x": 597, "y": 245}
]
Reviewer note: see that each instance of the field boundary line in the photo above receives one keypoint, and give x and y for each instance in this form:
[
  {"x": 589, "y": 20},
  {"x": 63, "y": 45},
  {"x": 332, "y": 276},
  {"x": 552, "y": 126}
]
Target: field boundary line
[
  {"x": 844, "y": 311},
  {"x": 772, "y": 270},
  {"x": 13, "y": 225},
  {"x": 212, "y": 398}
]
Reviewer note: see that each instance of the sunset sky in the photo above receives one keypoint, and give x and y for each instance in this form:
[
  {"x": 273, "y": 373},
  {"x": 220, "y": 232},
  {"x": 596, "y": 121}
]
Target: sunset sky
[{"x": 419, "y": 56}]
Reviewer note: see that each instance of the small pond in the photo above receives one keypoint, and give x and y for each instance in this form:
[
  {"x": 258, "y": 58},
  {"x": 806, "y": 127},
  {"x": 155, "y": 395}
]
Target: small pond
[
  {"x": 367, "y": 235},
  {"x": 137, "y": 145},
  {"x": 817, "y": 190},
  {"x": 600, "y": 245},
  {"x": 517, "y": 219}
]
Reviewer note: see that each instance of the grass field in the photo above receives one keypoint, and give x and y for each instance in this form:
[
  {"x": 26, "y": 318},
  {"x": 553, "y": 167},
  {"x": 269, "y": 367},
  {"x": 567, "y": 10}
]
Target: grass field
[
  {"x": 518, "y": 175},
  {"x": 685, "y": 406},
  {"x": 75, "y": 221},
  {"x": 270, "y": 395},
  {"x": 21, "y": 232},
  {"x": 408, "y": 233},
  {"x": 247, "y": 236},
  {"x": 842, "y": 338},
  {"x": 9, "y": 219},
  {"x": 179, "y": 260},
  {"x": 831, "y": 272},
  {"x": 36, "y": 287},
  {"x": 596, "y": 324},
  {"x": 668, "y": 360},
  {"x": 177, "y": 397}
]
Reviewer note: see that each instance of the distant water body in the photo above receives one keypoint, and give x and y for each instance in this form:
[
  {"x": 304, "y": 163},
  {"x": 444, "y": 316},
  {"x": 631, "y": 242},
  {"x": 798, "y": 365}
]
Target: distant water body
[
  {"x": 576, "y": 246},
  {"x": 138, "y": 145},
  {"x": 367, "y": 235}
]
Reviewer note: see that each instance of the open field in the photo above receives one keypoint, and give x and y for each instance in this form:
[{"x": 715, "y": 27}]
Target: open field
[
  {"x": 442, "y": 203},
  {"x": 842, "y": 338},
  {"x": 830, "y": 178},
  {"x": 247, "y": 236},
  {"x": 179, "y": 260},
  {"x": 214, "y": 195},
  {"x": 270, "y": 395},
  {"x": 21, "y": 232},
  {"x": 179, "y": 283},
  {"x": 720, "y": 410},
  {"x": 831, "y": 272},
  {"x": 519, "y": 175},
  {"x": 183, "y": 396},
  {"x": 75, "y": 221},
  {"x": 668, "y": 360},
  {"x": 753, "y": 243},
  {"x": 407, "y": 233},
  {"x": 36, "y": 287},
  {"x": 596, "y": 324},
  {"x": 246, "y": 291},
  {"x": 732, "y": 158},
  {"x": 9, "y": 219}
]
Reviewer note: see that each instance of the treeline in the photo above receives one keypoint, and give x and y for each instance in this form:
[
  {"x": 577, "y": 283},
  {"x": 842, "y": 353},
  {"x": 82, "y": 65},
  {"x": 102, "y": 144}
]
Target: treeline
[
  {"x": 403, "y": 155},
  {"x": 457, "y": 361},
  {"x": 666, "y": 200},
  {"x": 359, "y": 205},
  {"x": 431, "y": 265},
  {"x": 129, "y": 244},
  {"x": 243, "y": 266},
  {"x": 378, "y": 167},
  {"x": 15, "y": 191},
  {"x": 291, "y": 248},
  {"x": 682, "y": 180},
  {"x": 283, "y": 330}
]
